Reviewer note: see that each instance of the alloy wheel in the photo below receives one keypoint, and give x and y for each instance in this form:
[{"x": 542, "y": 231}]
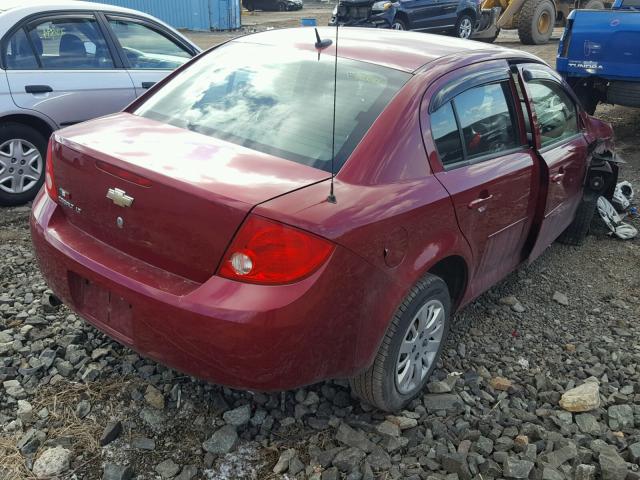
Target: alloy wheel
[
  {"x": 21, "y": 166},
  {"x": 420, "y": 346},
  {"x": 464, "y": 30},
  {"x": 397, "y": 26}
]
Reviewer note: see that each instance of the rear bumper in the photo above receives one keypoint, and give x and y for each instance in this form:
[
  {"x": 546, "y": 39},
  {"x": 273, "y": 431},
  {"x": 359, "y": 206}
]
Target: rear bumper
[{"x": 239, "y": 335}]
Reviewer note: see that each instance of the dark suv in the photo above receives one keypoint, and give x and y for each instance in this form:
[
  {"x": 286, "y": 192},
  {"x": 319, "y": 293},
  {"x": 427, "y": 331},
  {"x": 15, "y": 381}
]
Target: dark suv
[
  {"x": 457, "y": 17},
  {"x": 452, "y": 16}
]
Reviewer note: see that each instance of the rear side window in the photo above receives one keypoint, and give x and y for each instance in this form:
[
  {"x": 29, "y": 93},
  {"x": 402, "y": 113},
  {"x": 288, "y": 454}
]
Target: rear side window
[
  {"x": 555, "y": 111},
  {"x": 277, "y": 101},
  {"x": 479, "y": 122},
  {"x": 18, "y": 54},
  {"x": 446, "y": 135},
  {"x": 70, "y": 44}
]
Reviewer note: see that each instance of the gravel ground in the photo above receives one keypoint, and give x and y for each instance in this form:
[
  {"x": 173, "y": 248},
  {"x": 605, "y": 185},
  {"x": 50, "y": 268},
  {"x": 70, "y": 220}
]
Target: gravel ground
[{"x": 74, "y": 404}]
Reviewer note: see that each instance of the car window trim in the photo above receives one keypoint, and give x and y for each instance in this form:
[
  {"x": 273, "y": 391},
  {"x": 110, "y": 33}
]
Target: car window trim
[
  {"x": 466, "y": 161},
  {"x": 560, "y": 142},
  {"x": 551, "y": 79},
  {"x": 54, "y": 14},
  {"x": 159, "y": 29},
  {"x": 97, "y": 13},
  {"x": 467, "y": 82}
]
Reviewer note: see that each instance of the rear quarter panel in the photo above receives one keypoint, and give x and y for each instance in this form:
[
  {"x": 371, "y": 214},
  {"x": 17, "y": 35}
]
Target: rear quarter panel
[{"x": 391, "y": 213}]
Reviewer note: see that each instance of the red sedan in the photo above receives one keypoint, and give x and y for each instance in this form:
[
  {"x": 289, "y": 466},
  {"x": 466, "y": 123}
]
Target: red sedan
[{"x": 195, "y": 227}]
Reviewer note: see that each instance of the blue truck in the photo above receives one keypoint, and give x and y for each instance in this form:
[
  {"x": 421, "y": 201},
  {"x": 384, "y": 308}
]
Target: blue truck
[{"x": 599, "y": 55}]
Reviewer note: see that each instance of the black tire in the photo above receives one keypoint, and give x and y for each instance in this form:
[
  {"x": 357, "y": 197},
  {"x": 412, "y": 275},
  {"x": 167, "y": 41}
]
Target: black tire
[
  {"x": 532, "y": 13},
  {"x": 399, "y": 24},
  {"x": 464, "y": 26},
  {"x": 282, "y": 7},
  {"x": 249, "y": 6},
  {"x": 18, "y": 131},
  {"x": 377, "y": 384},
  {"x": 577, "y": 231},
  {"x": 594, "y": 5},
  {"x": 588, "y": 96},
  {"x": 624, "y": 93}
]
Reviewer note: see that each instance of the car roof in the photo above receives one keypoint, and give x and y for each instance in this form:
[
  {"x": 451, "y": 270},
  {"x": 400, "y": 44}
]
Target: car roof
[
  {"x": 401, "y": 50},
  {"x": 44, "y": 5},
  {"x": 12, "y": 11}
]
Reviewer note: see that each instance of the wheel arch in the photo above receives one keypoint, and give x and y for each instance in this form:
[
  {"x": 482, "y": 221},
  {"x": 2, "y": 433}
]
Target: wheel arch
[
  {"x": 33, "y": 121},
  {"x": 454, "y": 271},
  {"x": 404, "y": 17},
  {"x": 469, "y": 11}
]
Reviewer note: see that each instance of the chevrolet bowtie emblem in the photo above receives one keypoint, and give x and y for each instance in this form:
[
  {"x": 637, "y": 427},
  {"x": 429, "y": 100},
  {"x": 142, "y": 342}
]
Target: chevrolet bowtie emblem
[{"x": 119, "y": 197}]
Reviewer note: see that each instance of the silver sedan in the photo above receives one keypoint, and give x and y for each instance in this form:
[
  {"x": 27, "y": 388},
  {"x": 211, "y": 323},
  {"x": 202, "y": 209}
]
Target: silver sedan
[{"x": 64, "y": 62}]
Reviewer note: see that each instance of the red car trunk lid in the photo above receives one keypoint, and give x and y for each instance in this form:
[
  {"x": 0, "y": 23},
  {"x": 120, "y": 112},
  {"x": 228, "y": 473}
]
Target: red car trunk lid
[{"x": 189, "y": 192}]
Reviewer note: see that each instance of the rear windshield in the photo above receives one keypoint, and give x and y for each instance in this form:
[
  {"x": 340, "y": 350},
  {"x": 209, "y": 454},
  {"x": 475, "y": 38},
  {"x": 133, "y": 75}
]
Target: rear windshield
[{"x": 277, "y": 100}]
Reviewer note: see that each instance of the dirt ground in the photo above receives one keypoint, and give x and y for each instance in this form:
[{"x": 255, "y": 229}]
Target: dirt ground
[{"x": 73, "y": 389}]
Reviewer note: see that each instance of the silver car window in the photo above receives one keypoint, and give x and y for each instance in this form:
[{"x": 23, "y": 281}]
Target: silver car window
[
  {"x": 18, "y": 53},
  {"x": 70, "y": 43},
  {"x": 147, "y": 48}
]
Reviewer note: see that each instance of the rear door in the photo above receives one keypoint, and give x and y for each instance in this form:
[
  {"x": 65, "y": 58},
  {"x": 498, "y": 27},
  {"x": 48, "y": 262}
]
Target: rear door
[
  {"x": 62, "y": 66},
  {"x": 149, "y": 51},
  {"x": 562, "y": 147},
  {"x": 491, "y": 174},
  {"x": 421, "y": 13}
]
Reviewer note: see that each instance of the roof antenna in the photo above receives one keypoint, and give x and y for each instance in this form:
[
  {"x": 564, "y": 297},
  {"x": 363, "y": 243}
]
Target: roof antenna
[
  {"x": 321, "y": 44},
  {"x": 332, "y": 198}
]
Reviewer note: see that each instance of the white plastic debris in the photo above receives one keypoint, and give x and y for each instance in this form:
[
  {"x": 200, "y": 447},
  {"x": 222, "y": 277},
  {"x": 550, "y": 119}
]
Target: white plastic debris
[
  {"x": 622, "y": 196},
  {"x": 614, "y": 222}
]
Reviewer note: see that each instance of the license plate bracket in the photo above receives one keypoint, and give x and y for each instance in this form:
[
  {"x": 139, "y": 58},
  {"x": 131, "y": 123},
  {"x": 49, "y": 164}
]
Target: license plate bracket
[{"x": 101, "y": 305}]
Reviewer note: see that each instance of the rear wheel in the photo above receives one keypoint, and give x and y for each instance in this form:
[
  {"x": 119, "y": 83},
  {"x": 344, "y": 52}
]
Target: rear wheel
[
  {"x": 624, "y": 93},
  {"x": 464, "y": 26},
  {"x": 399, "y": 24},
  {"x": 282, "y": 7},
  {"x": 22, "y": 158},
  {"x": 578, "y": 230},
  {"x": 410, "y": 348},
  {"x": 536, "y": 21},
  {"x": 589, "y": 98}
]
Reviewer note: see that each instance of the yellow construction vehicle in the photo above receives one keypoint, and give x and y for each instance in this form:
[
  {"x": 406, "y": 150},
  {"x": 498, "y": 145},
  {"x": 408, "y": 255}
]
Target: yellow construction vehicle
[{"x": 534, "y": 19}]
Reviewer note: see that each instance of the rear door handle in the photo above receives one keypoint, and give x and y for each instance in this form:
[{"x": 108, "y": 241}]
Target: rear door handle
[
  {"x": 38, "y": 89},
  {"x": 479, "y": 201},
  {"x": 557, "y": 178},
  {"x": 147, "y": 85}
]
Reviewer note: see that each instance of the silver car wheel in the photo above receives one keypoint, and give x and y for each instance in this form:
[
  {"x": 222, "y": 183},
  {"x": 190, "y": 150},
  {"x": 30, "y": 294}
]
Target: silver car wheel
[
  {"x": 464, "y": 30},
  {"x": 21, "y": 166},
  {"x": 420, "y": 346},
  {"x": 397, "y": 26}
]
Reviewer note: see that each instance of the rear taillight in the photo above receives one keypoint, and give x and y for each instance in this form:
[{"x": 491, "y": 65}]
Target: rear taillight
[
  {"x": 267, "y": 252},
  {"x": 49, "y": 179}
]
